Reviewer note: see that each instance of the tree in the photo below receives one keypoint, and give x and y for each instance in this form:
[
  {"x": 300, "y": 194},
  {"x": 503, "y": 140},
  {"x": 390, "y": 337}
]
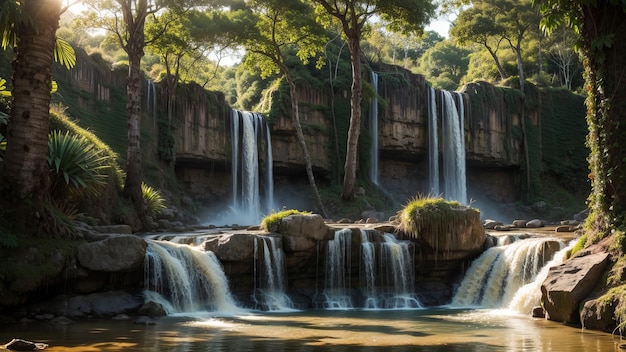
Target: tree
[
  {"x": 602, "y": 29},
  {"x": 478, "y": 25},
  {"x": 273, "y": 27},
  {"x": 400, "y": 15},
  {"x": 561, "y": 53},
  {"x": 30, "y": 28},
  {"x": 445, "y": 64}
]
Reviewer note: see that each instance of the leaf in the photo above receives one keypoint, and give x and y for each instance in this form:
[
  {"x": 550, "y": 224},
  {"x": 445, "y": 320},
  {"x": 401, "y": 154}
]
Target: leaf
[
  {"x": 64, "y": 53},
  {"x": 55, "y": 87}
]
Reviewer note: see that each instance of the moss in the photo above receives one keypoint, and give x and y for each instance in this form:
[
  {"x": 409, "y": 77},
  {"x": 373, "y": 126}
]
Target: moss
[
  {"x": 580, "y": 244},
  {"x": 428, "y": 212},
  {"x": 271, "y": 222}
]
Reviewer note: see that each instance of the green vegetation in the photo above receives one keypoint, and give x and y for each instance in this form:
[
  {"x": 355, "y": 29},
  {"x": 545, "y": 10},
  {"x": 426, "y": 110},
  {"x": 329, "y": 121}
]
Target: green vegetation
[
  {"x": 154, "y": 202},
  {"x": 272, "y": 221},
  {"x": 425, "y": 212},
  {"x": 580, "y": 244}
]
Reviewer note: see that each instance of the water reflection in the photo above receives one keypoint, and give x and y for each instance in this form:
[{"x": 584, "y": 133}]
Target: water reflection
[{"x": 318, "y": 330}]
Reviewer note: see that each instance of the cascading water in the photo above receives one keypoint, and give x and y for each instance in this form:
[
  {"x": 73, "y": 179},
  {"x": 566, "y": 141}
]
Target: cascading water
[
  {"x": 250, "y": 136},
  {"x": 338, "y": 273},
  {"x": 397, "y": 257},
  {"x": 493, "y": 279},
  {"x": 453, "y": 147},
  {"x": 433, "y": 143},
  {"x": 151, "y": 102},
  {"x": 190, "y": 279},
  {"x": 270, "y": 293},
  {"x": 387, "y": 282},
  {"x": 374, "y": 130}
]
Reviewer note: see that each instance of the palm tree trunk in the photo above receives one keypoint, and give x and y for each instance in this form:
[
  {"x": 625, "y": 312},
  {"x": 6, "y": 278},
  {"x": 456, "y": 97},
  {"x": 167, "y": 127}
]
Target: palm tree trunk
[{"x": 25, "y": 166}]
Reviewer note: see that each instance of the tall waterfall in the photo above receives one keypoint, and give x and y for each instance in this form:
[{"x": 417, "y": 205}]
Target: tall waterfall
[
  {"x": 249, "y": 136},
  {"x": 270, "y": 291},
  {"x": 433, "y": 143},
  {"x": 338, "y": 273},
  {"x": 151, "y": 102},
  {"x": 368, "y": 272},
  {"x": 192, "y": 280},
  {"x": 374, "y": 130},
  {"x": 494, "y": 279},
  {"x": 453, "y": 147}
]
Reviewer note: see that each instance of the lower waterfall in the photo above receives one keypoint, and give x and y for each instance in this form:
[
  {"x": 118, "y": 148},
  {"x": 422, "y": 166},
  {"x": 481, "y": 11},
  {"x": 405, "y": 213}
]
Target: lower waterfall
[
  {"x": 509, "y": 276},
  {"x": 190, "y": 279},
  {"x": 269, "y": 265}
]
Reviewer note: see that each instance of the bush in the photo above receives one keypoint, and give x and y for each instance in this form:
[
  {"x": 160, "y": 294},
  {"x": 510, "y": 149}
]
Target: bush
[{"x": 154, "y": 202}]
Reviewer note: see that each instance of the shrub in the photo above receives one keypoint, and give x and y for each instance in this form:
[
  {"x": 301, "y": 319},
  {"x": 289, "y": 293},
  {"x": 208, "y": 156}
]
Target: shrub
[
  {"x": 425, "y": 212},
  {"x": 154, "y": 202},
  {"x": 78, "y": 167}
]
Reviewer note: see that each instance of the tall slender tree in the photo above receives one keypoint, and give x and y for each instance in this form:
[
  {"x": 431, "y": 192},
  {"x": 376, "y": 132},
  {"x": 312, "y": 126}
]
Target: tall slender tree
[{"x": 405, "y": 16}]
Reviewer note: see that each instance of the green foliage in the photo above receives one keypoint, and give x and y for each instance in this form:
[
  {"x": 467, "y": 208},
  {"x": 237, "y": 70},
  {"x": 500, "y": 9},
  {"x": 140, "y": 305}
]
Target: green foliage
[
  {"x": 78, "y": 167},
  {"x": 444, "y": 65},
  {"x": 428, "y": 212},
  {"x": 153, "y": 199},
  {"x": 272, "y": 221},
  {"x": 580, "y": 244}
]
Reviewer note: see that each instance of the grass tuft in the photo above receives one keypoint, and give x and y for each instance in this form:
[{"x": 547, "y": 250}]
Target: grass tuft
[{"x": 271, "y": 222}]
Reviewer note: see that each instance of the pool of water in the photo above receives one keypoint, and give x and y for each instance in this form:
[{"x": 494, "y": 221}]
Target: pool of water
[{"x": 321, "y": 330}]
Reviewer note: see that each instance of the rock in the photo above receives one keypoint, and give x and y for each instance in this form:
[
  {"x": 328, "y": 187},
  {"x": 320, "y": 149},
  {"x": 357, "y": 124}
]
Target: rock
[
  {"x": 581, "y": 216},
  {"x": 598, "y": 314},
  {"x": 43, "y": 316},
  {"x": 502, "y": 228},
  {"x": 519, "y": 223},
  {"x": 23, "y": 345},
  {"x": 152, "y": 309},
  {"x": 120, "y": 317},
  {"x": 565, "y": 228},
  {"x": 235, "y": 247},
  {"x": 372, "y": 214},
  {"x": 344, "y": 221},
  {"x": 372, "y": 221},
  {"x": 568, "y": 284},
  {"x": 113, "y": 254},
  {"x": 113, "y": 302},
  {"x": 491, "y": 224},
  {"x": 505, "y": 240},
  {"x": 534, "y": 224},
  {"x": 117, "y": 229},
  {"x": 302, "y": 231},
  {"x": 538, "y": 312}
]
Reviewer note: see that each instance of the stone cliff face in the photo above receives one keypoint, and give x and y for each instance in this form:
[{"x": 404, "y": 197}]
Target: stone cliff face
[{"x": 198, "y": 137}]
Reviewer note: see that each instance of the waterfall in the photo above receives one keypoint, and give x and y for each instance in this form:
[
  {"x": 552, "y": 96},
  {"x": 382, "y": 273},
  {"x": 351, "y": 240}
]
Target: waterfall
[
  {"x": 433, "y": 144},
  {"x": 397, "y": 257},
  {"x": 192, "y": 280},
  {"x": 493, "y": 280},
  {"x": 368, "y": 273},
  {"x": 453, "y": 147},
  {"x": 270, "y": 295},
  {"x": 393, "y": 272},
  {"x": 374, "y": 130},
  {"x": 338, "y": 274},
  {"x": 249, "y": 136}
]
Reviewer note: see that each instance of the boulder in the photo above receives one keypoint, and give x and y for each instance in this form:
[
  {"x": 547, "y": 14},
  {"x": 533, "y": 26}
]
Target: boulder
[
  {"x": 538, "y": 312},
  {"x": 302, "y": 231},
  {"x": 113, "y": 254},
  {"x": 568, "y": 284},
  {"x": 372, "y": 214},
  {"x": 152, "y": 309},
  {"x": 534, "y": 224},
  {"x": 598, "y": 314},
  {"x": 119, "y": 229},
  {"x": 491, "y": 224},
  {"x": 235, "y": 247},
  {"x": 519, "y": 223},
  {"x": 565, "y": 228}
]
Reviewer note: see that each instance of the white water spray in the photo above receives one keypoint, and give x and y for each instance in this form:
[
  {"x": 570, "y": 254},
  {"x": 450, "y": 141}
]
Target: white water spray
[
  {"x": 192, "y": 280},
  {"x": 453, "y": 147},
  {"x": 496, "y": 276}
]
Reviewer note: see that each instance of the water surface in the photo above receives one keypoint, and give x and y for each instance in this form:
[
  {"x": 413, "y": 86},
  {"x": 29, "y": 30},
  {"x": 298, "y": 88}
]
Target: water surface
[{"x": 321, "y": 330}]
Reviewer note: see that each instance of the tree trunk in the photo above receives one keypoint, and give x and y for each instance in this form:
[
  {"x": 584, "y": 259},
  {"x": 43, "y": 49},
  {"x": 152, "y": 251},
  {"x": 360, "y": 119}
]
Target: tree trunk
[
  {"x": 25, "y": 163},
  {"x": 349, "y": 178},
  {"x": 134, "y": 48},
  {"x": 606, "y": 108},
  {"x": 307, "y": 158},
  {"x": 501, "y": 70}
]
